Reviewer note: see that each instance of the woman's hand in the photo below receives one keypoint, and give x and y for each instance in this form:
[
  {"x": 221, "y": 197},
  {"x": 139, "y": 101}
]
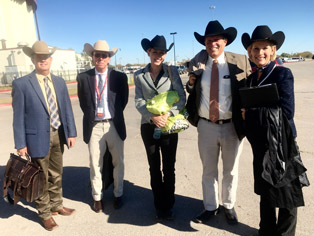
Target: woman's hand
[
  {"x": 192, "y": 79},
  {"x": 160, "y": 121},
  {"x": 243, "y": 113}
]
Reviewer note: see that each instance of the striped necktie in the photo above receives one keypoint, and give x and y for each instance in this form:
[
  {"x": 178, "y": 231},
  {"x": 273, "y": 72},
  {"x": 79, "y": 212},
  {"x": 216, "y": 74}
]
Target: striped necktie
[
  {"x": 214, "y": 93},
  {"x": 54, "y": 115}
]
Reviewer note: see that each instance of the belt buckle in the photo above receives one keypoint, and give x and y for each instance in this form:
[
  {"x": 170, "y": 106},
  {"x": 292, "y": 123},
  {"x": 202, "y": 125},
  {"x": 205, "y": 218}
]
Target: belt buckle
[{"x": 220, "y": 122}]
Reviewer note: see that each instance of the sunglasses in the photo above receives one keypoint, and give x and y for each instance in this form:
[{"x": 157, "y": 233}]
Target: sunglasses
[{"x": 101, "y": 55}]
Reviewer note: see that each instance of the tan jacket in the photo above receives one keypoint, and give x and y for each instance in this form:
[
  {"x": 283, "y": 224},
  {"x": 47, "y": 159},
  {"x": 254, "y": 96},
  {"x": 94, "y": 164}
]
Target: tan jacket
[{"x": 239, "y": 68}]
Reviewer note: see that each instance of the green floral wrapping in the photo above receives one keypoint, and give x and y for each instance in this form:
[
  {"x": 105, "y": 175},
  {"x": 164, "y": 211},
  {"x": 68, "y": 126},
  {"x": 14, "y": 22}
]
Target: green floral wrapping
[
  {"x": 161, "y": 104},
  {"x": 176, "y": 124}
]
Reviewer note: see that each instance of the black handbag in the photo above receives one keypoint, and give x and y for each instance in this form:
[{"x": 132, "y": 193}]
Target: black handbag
[{"x": 25, "y": 178}]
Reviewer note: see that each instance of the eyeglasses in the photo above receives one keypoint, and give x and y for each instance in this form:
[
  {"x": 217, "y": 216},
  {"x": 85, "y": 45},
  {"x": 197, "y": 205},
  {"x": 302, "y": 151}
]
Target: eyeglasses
[{"x": 101, "y": 55}]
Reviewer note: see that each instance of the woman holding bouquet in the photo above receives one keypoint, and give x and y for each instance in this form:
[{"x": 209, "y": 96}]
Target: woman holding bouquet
[{"x": 154, "y": 79}]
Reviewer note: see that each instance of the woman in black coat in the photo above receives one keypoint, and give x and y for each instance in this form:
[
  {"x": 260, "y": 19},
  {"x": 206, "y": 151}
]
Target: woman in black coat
[{"x": 271, "y": 132}]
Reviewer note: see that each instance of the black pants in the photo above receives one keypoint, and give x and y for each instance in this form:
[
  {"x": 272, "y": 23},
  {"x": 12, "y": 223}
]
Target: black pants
[
  {"x": 270, "y": 226},
  {"x": 162, "y": 181}
]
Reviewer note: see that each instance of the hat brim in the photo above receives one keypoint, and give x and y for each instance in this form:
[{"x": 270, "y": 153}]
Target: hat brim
[
  {"x": 89, "y": 49},
  {"x": 29, "y": 51},
  {"x": 277, "y": 38},
  {"x": 230, "y": 34},
  {"x": 146, "y": 44}
]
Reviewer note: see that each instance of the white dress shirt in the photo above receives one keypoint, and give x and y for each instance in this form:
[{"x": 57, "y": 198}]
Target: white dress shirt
[
  {"x": 225, "y": 99},
  {"x": 107, "y": 114}
]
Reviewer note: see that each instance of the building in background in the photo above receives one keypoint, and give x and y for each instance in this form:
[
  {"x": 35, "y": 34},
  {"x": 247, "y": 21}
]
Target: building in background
[{"x": 18, "y": 29}]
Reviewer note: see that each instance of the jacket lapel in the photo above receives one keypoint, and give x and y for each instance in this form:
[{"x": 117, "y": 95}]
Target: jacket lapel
[
  {"x": 92, "y": 85},
  {"x": 148, "y": 79},
  {"x": 35, "y": 84}
]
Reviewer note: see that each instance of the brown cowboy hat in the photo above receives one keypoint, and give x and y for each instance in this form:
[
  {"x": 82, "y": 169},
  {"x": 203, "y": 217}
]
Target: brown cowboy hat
[
  {"x": 100, "y": 45},
  {"x": 39, "y": 47},
  {"x": 263, "y": 32},
  {"x": 215, "y": 28}
]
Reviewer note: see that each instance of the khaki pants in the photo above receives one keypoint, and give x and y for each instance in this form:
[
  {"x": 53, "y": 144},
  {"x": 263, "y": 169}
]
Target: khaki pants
[
  {"x": 213, "y": 139},
  {"x": 52, "y": 165},
  {"x": 104, "y": 135}
]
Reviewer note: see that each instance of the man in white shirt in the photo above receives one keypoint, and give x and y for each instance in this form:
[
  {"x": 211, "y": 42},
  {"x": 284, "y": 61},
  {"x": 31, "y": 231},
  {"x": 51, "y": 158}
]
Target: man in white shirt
[
  {"x": 103, "y": 95},
  {"x": 214, "y": 79}
]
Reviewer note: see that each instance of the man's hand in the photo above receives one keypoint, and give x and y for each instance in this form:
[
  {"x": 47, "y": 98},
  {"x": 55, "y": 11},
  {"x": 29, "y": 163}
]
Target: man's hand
[
  {"x": 71, "y": 141},
  {"x": 160, "y": 121},
  {"x": 192, "y": 79},
  {"x": 243, "y": 113},
  {"x": 22, "y": 151}
]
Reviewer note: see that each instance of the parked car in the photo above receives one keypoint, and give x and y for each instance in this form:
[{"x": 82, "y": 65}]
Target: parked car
[
  {"x": 292, "y": 59},
  {"x": 181, "y": 69}
]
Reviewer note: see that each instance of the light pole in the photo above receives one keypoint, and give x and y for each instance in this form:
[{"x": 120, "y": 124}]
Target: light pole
[
  {"x": 174, "y": 48},
  {"x": 212, "y": 8}
]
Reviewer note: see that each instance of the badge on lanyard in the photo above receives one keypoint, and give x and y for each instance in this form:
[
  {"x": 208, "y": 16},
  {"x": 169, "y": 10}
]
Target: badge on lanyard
[{"x": 100, "y": 111}]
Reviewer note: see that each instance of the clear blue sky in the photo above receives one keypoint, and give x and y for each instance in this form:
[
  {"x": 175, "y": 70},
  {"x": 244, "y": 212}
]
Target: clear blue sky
[{"x": 123, "y": 23}]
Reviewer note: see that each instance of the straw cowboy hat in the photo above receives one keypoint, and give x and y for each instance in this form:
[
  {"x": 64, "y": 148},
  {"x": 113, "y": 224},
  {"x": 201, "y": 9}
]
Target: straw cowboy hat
[
  {"x": 157, "y": 43},
  {"x": 263, "y": 32},
  {"x": 215, "y": 28},
  {"x": 39, "y": 47},
  {"x": 100, "y": 45}
]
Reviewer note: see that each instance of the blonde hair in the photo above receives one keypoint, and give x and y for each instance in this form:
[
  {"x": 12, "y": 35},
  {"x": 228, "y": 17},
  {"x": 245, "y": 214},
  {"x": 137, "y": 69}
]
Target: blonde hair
[{"x": 271, "y": 44}]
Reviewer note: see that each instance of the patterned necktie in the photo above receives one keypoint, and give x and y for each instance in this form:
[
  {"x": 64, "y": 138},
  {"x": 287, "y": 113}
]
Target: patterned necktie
[
  {"x": 54, "y": 115},
  {"x": 214, "y": 93}
]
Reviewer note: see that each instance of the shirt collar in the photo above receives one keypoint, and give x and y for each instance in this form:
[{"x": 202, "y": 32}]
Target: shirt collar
[
  {"x": 105, "y": 73},
  {"x": 220, "y": 59},
  {"x": 41, "y": 77}
]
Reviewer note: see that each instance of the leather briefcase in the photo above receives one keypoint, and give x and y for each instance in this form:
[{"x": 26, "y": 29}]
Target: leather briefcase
[{"x": 25, "y": 178}]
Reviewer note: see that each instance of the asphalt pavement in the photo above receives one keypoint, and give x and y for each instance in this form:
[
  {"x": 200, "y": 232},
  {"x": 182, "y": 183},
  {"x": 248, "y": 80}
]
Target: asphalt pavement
[{"x": 136, "y": 217}]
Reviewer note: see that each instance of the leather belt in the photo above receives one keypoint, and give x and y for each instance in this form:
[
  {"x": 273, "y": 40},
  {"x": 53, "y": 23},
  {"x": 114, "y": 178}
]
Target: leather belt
[
  {"x": 218, "y": 122},
  {"x": 102, "y": 121}
]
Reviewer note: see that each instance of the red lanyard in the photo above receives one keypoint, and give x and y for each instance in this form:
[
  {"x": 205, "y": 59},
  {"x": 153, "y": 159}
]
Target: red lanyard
[{"x": 103, "y": 88}]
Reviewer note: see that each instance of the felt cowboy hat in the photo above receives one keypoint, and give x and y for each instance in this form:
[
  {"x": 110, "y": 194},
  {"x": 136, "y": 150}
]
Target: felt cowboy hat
[
  {"x": 215, "y": 28},
  {"x": 100, "y": 45},
  {"x": 158, "y": 43},
  {"x": 39, "y": 47},
  {"x": 263, "y": 32}
]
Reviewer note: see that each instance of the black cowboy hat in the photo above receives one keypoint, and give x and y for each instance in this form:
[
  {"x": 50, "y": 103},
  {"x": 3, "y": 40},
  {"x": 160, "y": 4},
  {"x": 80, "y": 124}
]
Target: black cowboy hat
[
  {"x": 158, "y": 43},
  {"x": 215, "y": 28},
  {"x": 263, "y": 32}
]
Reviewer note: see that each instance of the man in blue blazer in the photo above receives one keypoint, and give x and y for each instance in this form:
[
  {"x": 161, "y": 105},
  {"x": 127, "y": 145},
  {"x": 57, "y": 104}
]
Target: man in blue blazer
[
  {"x": 103, "y": 95},
  {"x": 43, "y": 122}
]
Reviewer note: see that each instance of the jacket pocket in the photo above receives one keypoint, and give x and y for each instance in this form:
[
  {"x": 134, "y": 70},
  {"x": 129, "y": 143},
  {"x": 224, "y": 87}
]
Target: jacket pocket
[{"x": 30, "y": 131}]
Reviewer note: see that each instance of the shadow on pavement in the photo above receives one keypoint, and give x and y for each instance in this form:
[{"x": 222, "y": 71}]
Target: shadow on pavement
[{"x": 137, "y": 209}]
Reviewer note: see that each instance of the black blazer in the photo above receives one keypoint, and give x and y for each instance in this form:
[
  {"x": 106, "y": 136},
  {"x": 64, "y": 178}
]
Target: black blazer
[{"x": 118, "y": 94}]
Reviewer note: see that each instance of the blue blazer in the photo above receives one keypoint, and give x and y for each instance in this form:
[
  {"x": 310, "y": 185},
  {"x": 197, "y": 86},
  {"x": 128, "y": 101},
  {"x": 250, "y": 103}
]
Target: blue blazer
[
  {"x": 31, "y": 120},
  {"x": 118, "y": 95}
]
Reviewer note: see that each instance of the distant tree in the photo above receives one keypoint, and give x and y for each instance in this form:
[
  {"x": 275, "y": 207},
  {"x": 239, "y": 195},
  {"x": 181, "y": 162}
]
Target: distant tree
[
  {"x": 284, "y": 54},
  {"x": 306, "y": 54}
]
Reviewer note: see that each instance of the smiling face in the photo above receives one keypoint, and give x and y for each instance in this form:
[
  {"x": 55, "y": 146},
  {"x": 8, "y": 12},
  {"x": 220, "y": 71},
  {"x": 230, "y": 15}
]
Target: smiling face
[
  {"x": 215, "y": 45},
  {"x": 101, "y": 60},
  {"x": 261, "y": 52},
  {"x": 42, "y": 63},
  {"x": 156, "y": 56}
]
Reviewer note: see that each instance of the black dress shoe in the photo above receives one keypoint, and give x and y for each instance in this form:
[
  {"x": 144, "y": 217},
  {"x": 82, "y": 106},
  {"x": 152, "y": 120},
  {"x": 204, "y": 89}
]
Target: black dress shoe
[
  {"x": 159, "y": 215},
  {"x": 97, "y": 206},
  {"x": 205, "y": 216},
  {"x": 231, "y": 216},
  {"x": 117, "y": 202},
  {"x": 168, "y": 215}
]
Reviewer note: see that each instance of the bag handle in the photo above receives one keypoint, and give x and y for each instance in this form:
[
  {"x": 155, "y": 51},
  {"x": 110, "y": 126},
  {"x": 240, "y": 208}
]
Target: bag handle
[{"x": 170, "y": 74}]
